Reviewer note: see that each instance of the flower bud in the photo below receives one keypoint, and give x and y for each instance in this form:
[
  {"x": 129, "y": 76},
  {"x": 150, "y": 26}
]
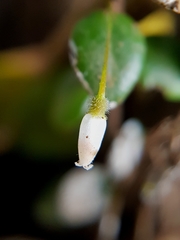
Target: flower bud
[{"x": 91, "y": 133}]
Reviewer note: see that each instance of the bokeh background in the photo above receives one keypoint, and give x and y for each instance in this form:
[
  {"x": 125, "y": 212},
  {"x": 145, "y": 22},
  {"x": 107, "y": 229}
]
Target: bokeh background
[{"x": 42, "y": 195}]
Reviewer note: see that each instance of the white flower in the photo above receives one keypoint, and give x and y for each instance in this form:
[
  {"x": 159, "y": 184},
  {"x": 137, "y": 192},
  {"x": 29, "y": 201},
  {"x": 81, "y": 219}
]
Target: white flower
[
  {"x": 126, "y": 150},
  {"x": 91, "y": 133},
  {"x": 170, "y": 5}
]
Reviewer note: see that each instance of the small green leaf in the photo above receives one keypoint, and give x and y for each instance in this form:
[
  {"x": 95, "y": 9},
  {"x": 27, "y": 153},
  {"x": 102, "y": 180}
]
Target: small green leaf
[
  {"x": 126, "y": 54},
  {"x": 162, "y": 69}
]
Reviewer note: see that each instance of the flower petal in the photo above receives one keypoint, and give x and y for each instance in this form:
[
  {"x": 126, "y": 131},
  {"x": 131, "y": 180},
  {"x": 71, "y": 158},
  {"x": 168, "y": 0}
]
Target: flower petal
[{"x": 91, "y": 133}]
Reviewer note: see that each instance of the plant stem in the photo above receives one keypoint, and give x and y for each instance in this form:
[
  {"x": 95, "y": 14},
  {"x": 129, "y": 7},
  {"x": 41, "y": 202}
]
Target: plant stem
[
  {"x": 102, "y": 84},
  {"x": 99, "y": 104}
]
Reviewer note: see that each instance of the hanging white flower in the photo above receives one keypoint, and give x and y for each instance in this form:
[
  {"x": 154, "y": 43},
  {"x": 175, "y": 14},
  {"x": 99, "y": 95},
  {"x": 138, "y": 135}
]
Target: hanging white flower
[
  {"x": 170, "y": 5},
  {"x": 93, "y": 125},
  {"x": 91, "y": 134}
]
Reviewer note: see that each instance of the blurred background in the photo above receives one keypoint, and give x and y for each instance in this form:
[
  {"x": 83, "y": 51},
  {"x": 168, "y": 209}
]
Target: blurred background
[{"x": 42, "y": 195}]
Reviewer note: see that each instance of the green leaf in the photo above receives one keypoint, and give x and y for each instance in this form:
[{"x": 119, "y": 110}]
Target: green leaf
[
  {"x": 125, "y": 57},
  {"x": 162, "y": 69},
  {"x": 52, "y": 110},
  {"x": 67, "y": 105},
  {"x": 37, "y": 139}
]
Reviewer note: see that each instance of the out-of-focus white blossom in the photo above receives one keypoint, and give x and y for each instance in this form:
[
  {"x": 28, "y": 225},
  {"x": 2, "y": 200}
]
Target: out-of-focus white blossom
[
  {"x": 91, "y": 134},
  {"x": 80, "y": 196},
  {"x": 109, "y": 226},
  {"x": 126, "y": 150}
]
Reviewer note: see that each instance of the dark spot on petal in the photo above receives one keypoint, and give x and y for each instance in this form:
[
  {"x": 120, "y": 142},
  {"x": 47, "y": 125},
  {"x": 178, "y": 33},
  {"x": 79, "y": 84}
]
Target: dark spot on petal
[
  {"x": 86, "y": 136},
  {"x": 172, "y": 5}
]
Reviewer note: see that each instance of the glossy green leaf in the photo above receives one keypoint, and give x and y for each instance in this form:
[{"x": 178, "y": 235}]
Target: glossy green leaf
[
  {"x": 162, "y": 68},
  {"x": 126, "y": 54}
]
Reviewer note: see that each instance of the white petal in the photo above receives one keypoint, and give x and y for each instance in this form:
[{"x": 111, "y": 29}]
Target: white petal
[{"x": 91, "y": 133}]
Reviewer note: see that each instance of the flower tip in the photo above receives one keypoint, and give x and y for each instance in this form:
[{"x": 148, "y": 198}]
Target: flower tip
[{"x": 88, "y": 167}]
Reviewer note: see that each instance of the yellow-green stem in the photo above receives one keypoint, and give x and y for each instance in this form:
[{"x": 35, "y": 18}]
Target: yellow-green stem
[
  {"x": 99, "y": 104},
  {"x": 102, "y": 84}
]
